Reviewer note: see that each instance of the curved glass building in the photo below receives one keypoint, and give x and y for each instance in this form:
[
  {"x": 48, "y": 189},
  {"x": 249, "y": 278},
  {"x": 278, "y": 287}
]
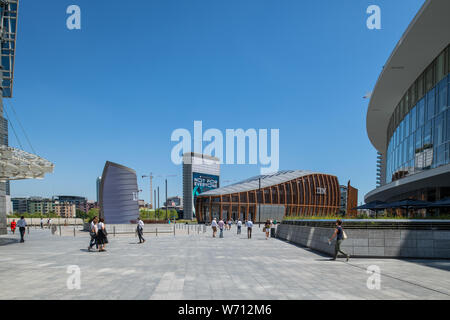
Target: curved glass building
[
  {"x": 291, "y": 193},
  {"x": 118, "y": 194},
  {"x": 408, "y": 119}
]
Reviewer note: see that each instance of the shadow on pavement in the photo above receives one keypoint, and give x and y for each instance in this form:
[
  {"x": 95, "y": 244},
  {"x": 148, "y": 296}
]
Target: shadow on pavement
[{"x": 7, "y": 241}]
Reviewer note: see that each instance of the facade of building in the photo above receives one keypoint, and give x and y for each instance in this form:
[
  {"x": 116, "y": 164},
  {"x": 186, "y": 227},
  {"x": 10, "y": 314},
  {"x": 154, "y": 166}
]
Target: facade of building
[
  {"x": 200, "y": 173},
  {"x": 40, "y": 205},
  {"x": 65, "y": 209},
  {"x": 20, "y": 205},
  {"x": 408, "y": 119},
  {"x": 81, "y": 203},
  {"x": 286, "y": 193},
  {"x": 97, "y": 187}
]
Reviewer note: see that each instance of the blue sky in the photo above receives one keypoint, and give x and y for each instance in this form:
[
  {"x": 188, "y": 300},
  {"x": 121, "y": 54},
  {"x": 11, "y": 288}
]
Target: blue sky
[{"x": 137, "y": 70}]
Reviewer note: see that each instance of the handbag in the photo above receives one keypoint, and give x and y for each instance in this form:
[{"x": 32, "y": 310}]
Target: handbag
[{"x": 344, "y": 235}]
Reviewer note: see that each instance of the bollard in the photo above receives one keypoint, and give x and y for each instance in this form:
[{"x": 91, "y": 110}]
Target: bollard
[
  {"x": 156, "y": 231},
  {"x": 59, "y": 230},
  {"x": 28, "y": 230},
  {"x": 174, "y": 231},
  {"x": 114, "y": 231},
  {"x": 74, "y": 231},
  {"x": 198, "y": 230},
  {"x": 188, "y": 229}
]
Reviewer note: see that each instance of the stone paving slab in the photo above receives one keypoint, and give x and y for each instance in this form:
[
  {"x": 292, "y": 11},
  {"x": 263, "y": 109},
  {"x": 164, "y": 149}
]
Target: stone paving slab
[{"x": 197, "y": 266}]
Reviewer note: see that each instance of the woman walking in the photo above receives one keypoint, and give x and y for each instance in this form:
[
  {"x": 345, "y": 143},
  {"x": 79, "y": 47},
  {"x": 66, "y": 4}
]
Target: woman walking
[
  {"x": 102, "y": 235},
  {"x": 340, "y": 236},
  {"x": 13, "y": 226},
  {"x": 267, "y": 228}
]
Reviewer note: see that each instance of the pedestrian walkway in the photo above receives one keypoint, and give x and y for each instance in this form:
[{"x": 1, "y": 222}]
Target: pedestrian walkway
[{"x": 197, "y": 266}]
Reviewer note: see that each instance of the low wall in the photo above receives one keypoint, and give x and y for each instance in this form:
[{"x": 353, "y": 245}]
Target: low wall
[
  {"x": 377, "y": 241},
  {"x": 57, "y": 221}
]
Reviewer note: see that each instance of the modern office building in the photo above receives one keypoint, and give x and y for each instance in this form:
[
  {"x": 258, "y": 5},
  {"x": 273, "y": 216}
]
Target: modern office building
[
  {"x": 97, "y": 185},
  {"x": 200, "y": 173},
  {"x": 408, "y": 119},
  {"x": 118, "y": 194},
  {"x": 286, "y": 193},
  {"x": 19, "y": 205},
  {"x": 65, "y": 209},
  {"x": 81, "y": 203},
  {"x": 40, "y": 205}
]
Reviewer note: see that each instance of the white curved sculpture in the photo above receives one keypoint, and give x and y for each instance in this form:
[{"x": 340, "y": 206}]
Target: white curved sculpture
[{"x": 17, "y": 164}]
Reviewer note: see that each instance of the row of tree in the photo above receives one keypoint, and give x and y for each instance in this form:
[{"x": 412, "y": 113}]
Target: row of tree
[{"x": 158, "y": 214}]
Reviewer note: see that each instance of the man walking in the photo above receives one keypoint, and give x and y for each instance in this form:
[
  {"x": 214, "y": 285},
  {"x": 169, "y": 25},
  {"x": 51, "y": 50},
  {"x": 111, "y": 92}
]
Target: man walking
[
  {"x": 214, "y": 227},
  {"x": 221, "y": 225},
  {"x": 249, "y": 228},
  {"x": 140, "y": 230},
  {"x": 22, "y": 224},
  {"x": 239, "y": 226},
  {"x": 340, "y": 236}
]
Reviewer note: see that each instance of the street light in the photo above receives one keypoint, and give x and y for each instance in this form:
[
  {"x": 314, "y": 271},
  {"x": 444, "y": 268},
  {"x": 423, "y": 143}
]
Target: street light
[
  {"x": 259, "y": 204},
  {"x": 151, "y": 186}
]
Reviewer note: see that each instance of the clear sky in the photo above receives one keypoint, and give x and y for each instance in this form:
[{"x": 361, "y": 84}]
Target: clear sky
[{"x": 137, "y": 70}]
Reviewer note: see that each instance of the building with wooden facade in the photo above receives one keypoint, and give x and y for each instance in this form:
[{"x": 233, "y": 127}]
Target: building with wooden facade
[{"x": 286, "y": 193}]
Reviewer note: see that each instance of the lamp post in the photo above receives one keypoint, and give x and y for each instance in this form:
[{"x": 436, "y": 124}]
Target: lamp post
[
  {"x": 151, "y": 186},
  {"x": 259, "y": 205}
]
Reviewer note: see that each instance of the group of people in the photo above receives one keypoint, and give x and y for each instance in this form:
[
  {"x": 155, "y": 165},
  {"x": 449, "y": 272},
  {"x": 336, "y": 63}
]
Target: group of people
[
  {"x": 21, "y": 224},
  {"x": 221, "y": 225},
  {"x": 99, "y": 236}
]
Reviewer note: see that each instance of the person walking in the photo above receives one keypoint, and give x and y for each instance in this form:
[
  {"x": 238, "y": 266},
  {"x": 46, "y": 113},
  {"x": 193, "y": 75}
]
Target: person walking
[
  {"x": 229, "y": 224},
  {"x": 13, "y": 226},
  {"x": 102, "y": 235},
  {"x": 214, "y": 227},
  {"x": 140, "y": 230},
  {"x": 239, "y": 226},
  {"x": 221, "y": 225},
  {"x": 267, "y": 226},
  {"x": 93, "y": 232},
  {"x": 340, "y": 236},
  {"x": 249, "y": 225},
  {"x": 22, "y": 224}
]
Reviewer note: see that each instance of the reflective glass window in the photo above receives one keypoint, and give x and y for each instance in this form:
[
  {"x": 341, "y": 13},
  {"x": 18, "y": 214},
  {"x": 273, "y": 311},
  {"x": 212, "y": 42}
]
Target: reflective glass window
[
  {"x": 431, "y": 101},
  {"x": 407, "y": 132},
  {"x": 413, "y": 119},
  {"x": 442, "y": 96},
  {"x": 421, "y": 112},
  {"x": 439, "y": 137},
  {"x": 427, "y": 134},
  {"x": 418, "y": 139},
  {"x": 448, "y": 125}
]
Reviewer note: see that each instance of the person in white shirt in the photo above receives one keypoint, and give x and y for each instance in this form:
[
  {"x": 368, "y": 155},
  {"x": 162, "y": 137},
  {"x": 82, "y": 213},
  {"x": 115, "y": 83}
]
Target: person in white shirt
[
  {"x": 140, "y": 230},
  {"x": 22, "y": 224},
  {"x": 239, "y": 226},
  {"x": 93, "y": 231},
  {"x": 249, "y": 225},
  {"x": 214, "y": 227}
]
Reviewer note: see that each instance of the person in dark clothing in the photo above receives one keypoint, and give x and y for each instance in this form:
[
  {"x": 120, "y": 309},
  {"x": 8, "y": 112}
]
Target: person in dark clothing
[{"x": 339, "y": 234}]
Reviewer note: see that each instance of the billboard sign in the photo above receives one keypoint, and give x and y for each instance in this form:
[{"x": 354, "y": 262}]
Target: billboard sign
[{"x": 203, "y": 182}]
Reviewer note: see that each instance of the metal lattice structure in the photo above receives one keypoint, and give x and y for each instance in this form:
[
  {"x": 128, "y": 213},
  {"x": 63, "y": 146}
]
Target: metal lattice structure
[
  {"x": 8, "y": 32},
  {"x": 17, "y": 165}
]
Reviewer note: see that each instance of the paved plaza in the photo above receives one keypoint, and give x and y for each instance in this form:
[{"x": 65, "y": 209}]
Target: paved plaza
[{"x": 197, "y": 266}]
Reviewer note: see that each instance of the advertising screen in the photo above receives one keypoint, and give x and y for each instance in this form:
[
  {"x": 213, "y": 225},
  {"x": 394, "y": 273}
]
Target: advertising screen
[{"x": 203, "y": 182}]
